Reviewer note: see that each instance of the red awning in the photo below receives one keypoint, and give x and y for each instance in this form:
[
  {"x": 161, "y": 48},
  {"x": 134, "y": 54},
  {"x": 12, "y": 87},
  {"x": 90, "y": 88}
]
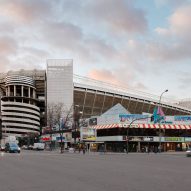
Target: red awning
[{"x": 143, "y": 126}]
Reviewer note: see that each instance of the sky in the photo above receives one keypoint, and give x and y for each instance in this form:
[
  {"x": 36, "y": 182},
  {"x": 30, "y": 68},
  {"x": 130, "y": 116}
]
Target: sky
[{"x": 140, "y": 44}]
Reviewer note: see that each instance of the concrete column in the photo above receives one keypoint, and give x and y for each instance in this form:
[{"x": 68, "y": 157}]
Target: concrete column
[
  {"x": 8, "y": 90},
  {"x": 34, "y": 93},
  {"x": 29, "y": 91},
  {"x": 14, "y": 90},
  {"x": 21, "y": 91}
]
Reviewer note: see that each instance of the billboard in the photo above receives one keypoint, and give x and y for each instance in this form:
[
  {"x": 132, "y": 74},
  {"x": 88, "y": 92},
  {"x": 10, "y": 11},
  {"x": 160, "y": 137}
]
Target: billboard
[
  {"x": 128, "y": 118},
  {"x": 87, "y": 134},
  {"x": 182, "y": 119}
]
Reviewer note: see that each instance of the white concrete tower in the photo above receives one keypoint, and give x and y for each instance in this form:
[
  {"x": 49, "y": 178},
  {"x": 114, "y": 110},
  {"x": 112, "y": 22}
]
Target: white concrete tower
[{"x": 60, "y": 82}]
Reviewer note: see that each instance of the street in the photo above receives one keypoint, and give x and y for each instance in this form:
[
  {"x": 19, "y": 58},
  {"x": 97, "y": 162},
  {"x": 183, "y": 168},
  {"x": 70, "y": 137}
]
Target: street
[{"x": 51, "y": 171}]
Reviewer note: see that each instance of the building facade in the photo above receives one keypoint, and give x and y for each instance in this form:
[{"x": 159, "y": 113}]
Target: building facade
[
  {"x": 19, "y": 111},
  {"x": 25, "y": 95}
]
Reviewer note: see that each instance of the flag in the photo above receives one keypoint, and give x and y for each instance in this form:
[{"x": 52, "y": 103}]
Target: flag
[
  {"x": 160, "y": 111},
  {"x": 158, "y": 114},
  {"x": 155, "y": 115}
]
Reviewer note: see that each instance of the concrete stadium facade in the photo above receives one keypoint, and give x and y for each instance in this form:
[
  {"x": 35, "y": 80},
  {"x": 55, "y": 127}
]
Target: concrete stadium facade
[{"x": 95, "y": 97}]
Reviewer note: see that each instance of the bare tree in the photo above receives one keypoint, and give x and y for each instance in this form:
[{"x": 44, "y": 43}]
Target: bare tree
[{"x": 56, "y": 114}]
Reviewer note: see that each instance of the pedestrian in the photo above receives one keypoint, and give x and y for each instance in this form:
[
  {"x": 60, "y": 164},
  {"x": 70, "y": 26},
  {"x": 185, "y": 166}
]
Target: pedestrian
[
  {"x": 146, "y": 149},
  {"x": 84, "y": 149},
  {"x": 155, "y": 150}
]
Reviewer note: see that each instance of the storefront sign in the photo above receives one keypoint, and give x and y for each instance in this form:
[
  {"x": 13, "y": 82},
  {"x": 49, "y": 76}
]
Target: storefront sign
[
  {"x": 110, "y": 138},
  {"x": 187, "y": 139},
  {"x": 148, "y": 139},
  {"x": 156, "y": 139},
  {"x": 46, "y": 139},
  {"x": 174, "y": 139},
  {"x": 136, "y": 139},
  {"x": 140, "y": 139}
]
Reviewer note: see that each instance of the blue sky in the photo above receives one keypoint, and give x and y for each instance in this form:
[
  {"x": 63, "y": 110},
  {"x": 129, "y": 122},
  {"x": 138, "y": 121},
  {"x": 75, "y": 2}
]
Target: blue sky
[{"x": 139, "y": 44}]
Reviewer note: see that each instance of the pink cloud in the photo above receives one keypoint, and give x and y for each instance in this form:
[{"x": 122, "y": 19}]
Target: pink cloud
[
  {"x": 7, "y": 45},
  {"x": 179, "y": 24},
  {"x": 103, "y": 75},
  {"x": 24, "y": 10},
  {"x": 120, "y": 77}
]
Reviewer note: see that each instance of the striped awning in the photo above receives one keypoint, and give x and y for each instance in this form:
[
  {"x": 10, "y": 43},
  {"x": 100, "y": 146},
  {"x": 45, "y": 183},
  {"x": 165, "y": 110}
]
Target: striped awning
[{"x": 142, "y": 126}]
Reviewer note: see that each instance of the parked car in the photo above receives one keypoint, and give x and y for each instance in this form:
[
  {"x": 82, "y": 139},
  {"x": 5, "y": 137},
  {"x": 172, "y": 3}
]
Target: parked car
[
  {"x": 30, "y": 147},
  {"x": 12, "y": 148},
  {"x": 39, "y": 146},
  {"x": 188, "y": 152},
  {"x": 24, "y": 147},
  {"x": 2, "y": 147}
]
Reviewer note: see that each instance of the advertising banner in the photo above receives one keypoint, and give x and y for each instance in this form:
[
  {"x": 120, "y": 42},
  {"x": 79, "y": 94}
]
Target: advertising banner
[
  {"x": 88, "y": 134},
  {"x": 128, "y": 118},
  {"x": 186, "y": 119}
]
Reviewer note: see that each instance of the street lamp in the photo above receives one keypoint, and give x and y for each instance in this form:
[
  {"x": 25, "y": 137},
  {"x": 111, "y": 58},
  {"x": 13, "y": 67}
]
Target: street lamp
[
  {"x": 137, "y": 119},
  {"x": 159, "y": 120},
  {"x": 162, "y": 95}
]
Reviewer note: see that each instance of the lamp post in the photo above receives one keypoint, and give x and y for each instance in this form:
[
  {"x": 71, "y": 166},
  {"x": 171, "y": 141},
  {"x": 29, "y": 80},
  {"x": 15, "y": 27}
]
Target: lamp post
[
  {"x": 159, "y": 120},
  {"x": 130, "y": 127}
]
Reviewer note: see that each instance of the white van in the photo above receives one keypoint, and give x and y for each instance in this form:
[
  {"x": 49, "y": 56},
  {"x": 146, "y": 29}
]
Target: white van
[{"x": 39, "y": 146}]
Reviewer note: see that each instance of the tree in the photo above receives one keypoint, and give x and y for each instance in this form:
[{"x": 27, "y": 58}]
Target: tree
[{"x": 58, "y": 115}]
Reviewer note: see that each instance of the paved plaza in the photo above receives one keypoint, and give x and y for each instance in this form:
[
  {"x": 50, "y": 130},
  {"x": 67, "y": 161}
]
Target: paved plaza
[{"x": 51, "y": 171}]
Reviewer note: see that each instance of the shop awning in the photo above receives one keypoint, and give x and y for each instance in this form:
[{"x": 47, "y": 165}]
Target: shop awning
[{"x": 142, "y": 126}]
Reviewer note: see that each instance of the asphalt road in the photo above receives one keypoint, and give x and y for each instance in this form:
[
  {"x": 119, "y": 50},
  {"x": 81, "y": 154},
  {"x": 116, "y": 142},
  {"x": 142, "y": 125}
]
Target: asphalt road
[{"x": 46, "y": 171}]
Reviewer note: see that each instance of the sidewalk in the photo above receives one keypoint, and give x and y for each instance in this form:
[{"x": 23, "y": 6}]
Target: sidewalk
[{"x": 178, "y": 153}]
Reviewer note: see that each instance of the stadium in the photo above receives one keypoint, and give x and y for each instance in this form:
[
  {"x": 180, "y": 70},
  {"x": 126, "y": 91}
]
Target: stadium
[{"x": 26, "y": 93}]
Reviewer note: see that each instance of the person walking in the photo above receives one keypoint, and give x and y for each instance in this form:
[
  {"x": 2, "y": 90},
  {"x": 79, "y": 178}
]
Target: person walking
[
  {"x": 84, "y": 149},
  {"x": 79, "y": 148}
]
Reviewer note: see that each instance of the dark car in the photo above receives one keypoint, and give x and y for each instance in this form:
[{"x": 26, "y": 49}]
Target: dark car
[{"x": 12, "y": 148}]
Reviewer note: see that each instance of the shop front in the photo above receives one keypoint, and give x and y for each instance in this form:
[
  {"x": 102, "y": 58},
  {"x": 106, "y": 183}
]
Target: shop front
[
  {"x": 53, "y": 141},
  {"x": 145, "y": 144}
]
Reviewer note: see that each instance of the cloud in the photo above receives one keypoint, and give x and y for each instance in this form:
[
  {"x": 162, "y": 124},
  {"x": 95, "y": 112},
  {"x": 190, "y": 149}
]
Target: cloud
[
  {"x": 25, "y": 10},
  {"x": 119, "y": 16},
  {"x": 108, "y": 39},
  {"x": 168, "y": 52},
  {"x": 7, "y": 46},
  {"x": 103, "y": 75},
  {"x": 119, "y": 76},
  {"x": 174, "y": 3},
  {"x": 175, "y": 40},
  {"x": 179, "y": 24},
  {"x": 62, "y": 34}
]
